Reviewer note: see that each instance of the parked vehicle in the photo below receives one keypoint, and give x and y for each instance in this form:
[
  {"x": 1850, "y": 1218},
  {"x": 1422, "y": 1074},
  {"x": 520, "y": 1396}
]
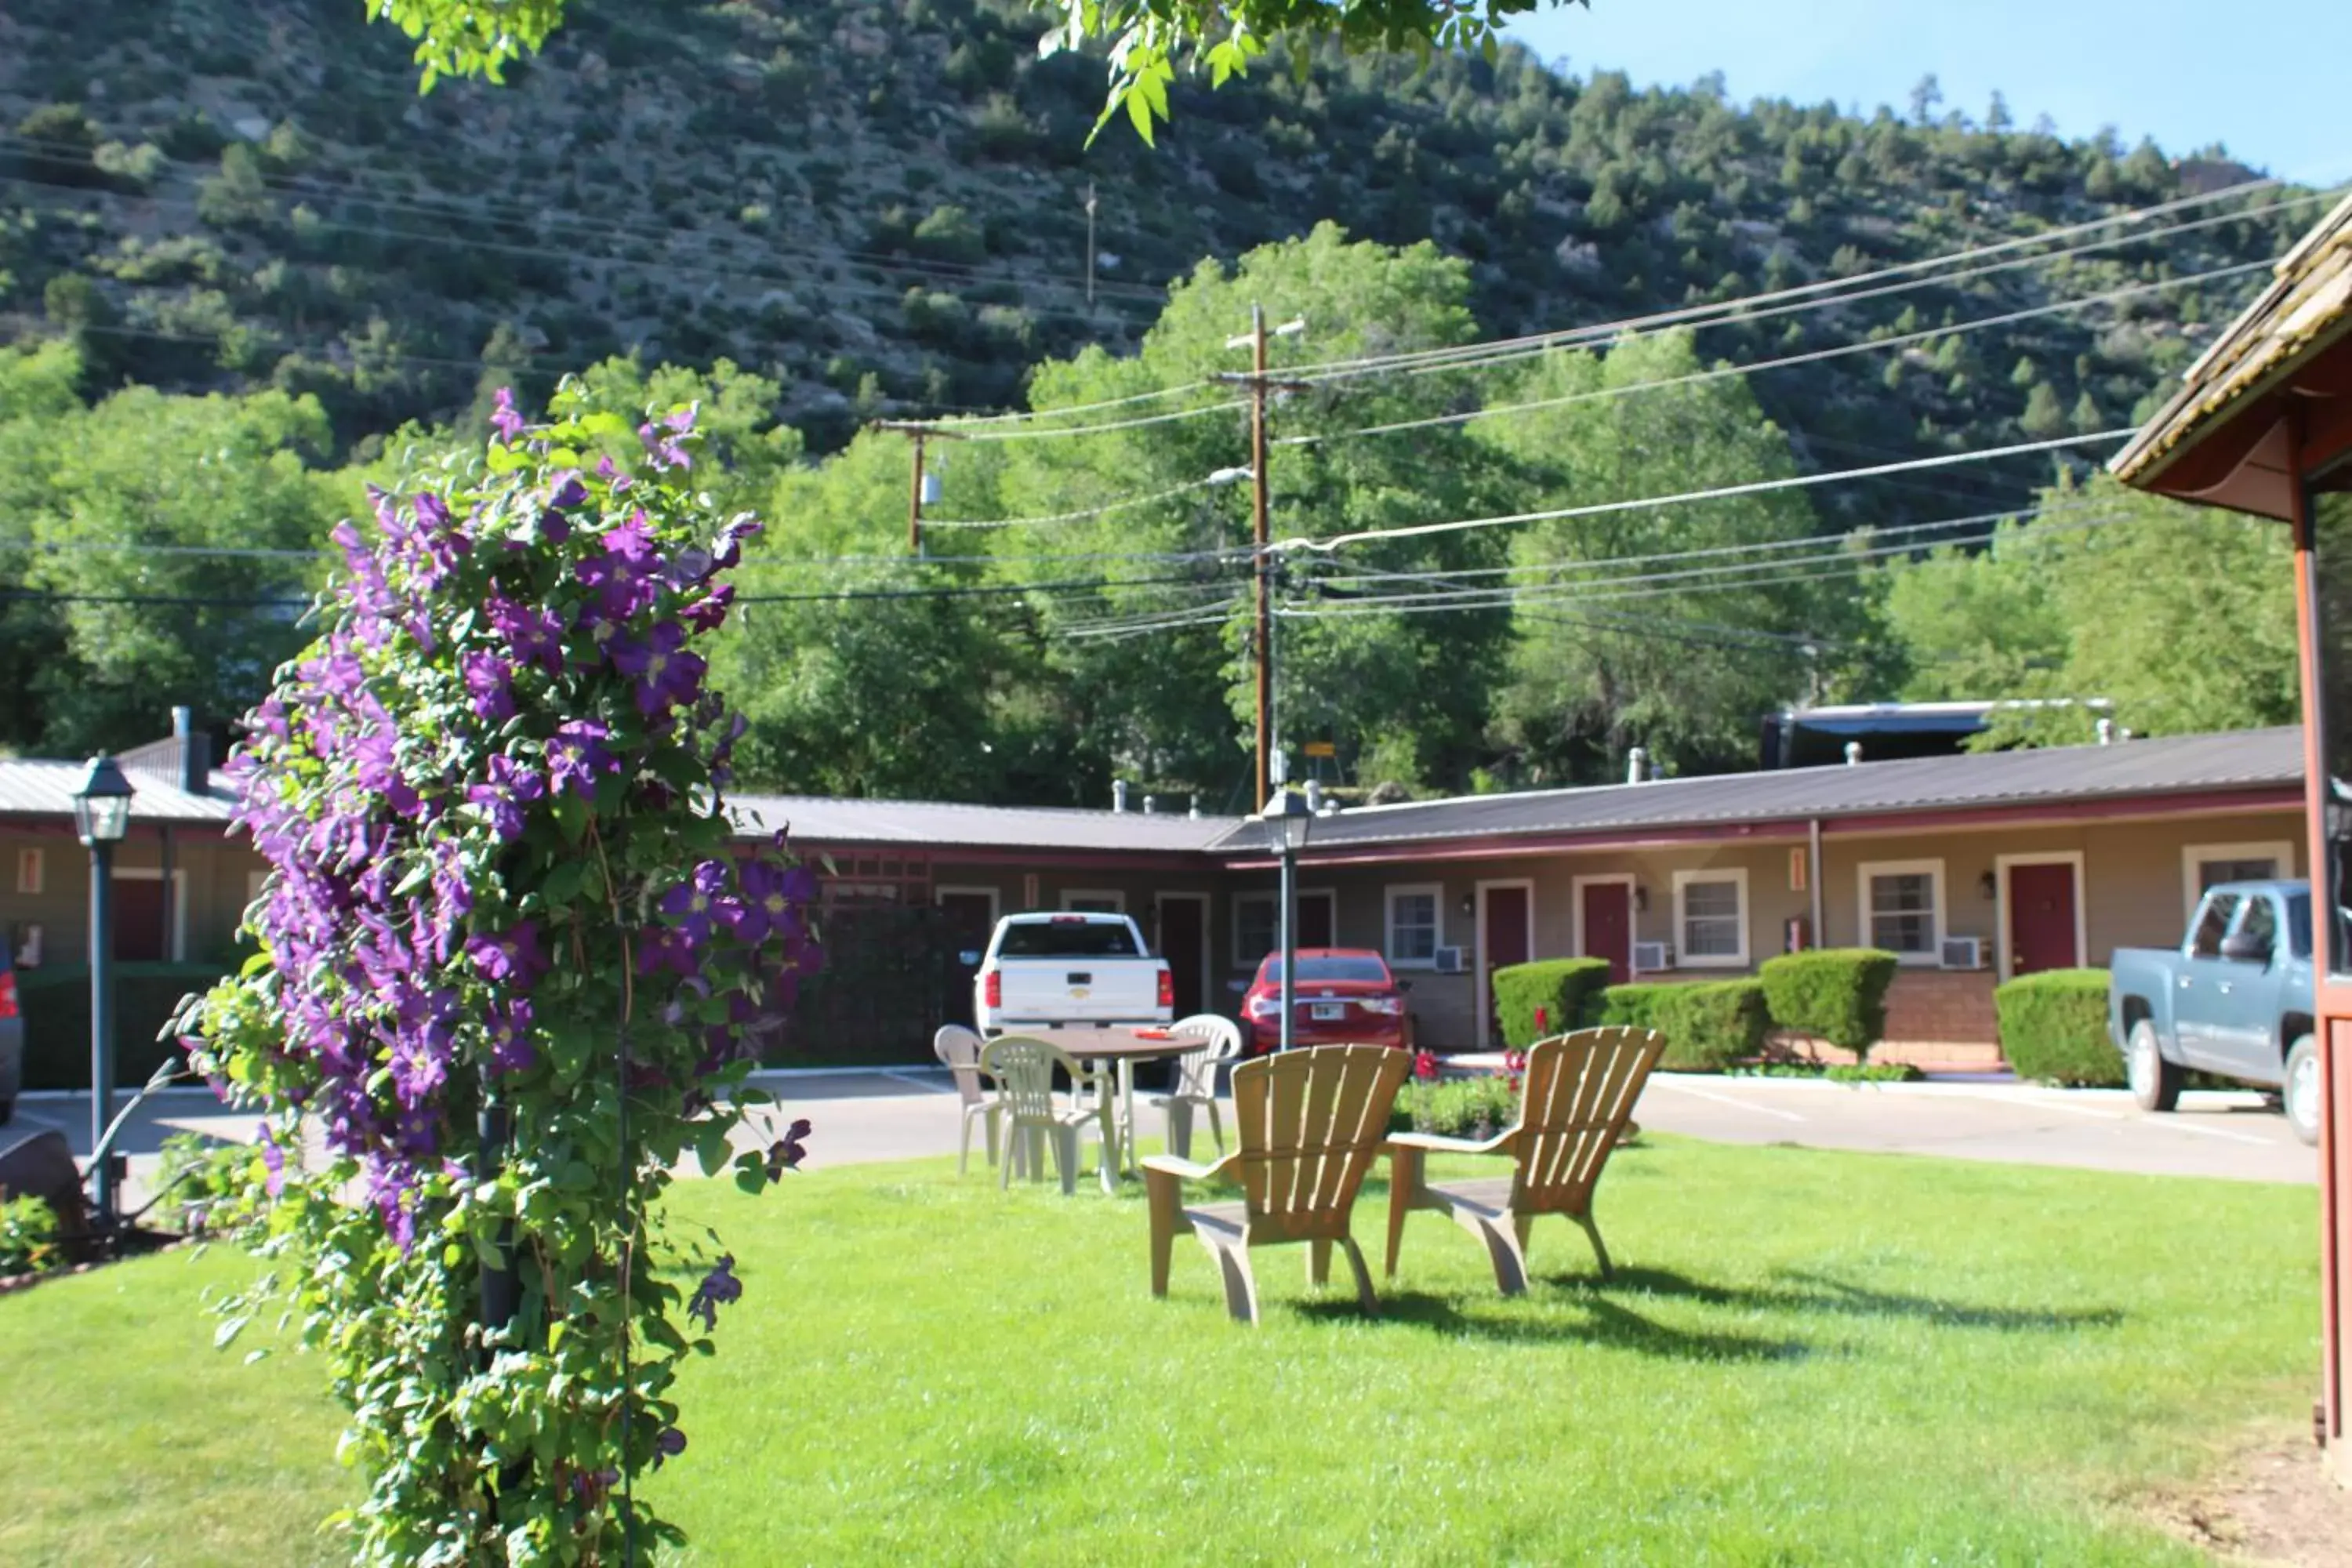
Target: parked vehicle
[
  {"x": 1344, "y": 996},
  {"x": 1043, "y": 971},
  {"x": 11, "y": 1035},
  {"x": 2234, "y": 999}
]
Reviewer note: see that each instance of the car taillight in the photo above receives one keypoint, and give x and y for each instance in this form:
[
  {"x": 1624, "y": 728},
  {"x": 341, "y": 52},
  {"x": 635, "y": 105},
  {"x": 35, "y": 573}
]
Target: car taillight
[
  {"x": 1167, "y": 988},
  {"x": 1389, "y": 1005},
  {"x": 991, "y": 988},
  {"x": 7, "y": 993},
  {"x": 1263, "y": 1006}
]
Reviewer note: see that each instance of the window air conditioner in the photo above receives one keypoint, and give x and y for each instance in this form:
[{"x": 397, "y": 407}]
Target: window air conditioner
[
  {"x": 1449, "y": 961},
  {"x": 1963, "y": 953},
  {"x": 1651, "y": 957}
]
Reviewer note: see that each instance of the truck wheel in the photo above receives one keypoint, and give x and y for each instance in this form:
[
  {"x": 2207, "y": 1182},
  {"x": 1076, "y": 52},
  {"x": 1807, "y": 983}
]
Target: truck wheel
[
  {"x": 2304, "y": 1090},
  {"x": 2155, "y": 1082}
]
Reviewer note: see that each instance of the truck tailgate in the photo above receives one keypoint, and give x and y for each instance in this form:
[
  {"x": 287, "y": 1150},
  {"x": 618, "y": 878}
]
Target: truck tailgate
[{"x": 1078, "y": 990}]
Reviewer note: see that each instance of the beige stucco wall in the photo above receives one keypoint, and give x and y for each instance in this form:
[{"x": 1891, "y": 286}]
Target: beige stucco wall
[{"x": 209, "y": 871}]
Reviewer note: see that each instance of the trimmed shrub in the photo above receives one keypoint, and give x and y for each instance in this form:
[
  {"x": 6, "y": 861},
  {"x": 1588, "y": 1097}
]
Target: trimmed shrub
[
  {"x": 1561, "y": 987},
  {"x": 1834, "y": 994},
  {"x": 1456, "y": 1108},
  {"x": 1633, "y": 1005},
  {"x": 1710, "y": 1026},
  {"x": 56, "y": 1003},
  {"x": 2053, "y": 1025}
]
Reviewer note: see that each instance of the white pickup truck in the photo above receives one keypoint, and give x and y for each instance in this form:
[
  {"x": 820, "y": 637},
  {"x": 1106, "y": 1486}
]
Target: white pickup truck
[{"x": 1041, "y": 971}]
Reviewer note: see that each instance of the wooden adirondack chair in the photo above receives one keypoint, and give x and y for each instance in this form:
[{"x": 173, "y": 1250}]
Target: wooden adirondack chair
[
  {"x": 1580, "y": 1090},
  {"x": 958, "y": 1049},
  {"x": 1195, "y": 1087},
  {"x": 1308, "y": 1124},
  {"x": 1024, "y": 1069}
]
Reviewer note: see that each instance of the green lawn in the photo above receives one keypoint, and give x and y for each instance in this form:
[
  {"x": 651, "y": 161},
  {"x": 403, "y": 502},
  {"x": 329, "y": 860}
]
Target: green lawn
[{"x": 1806, "y": 1357}]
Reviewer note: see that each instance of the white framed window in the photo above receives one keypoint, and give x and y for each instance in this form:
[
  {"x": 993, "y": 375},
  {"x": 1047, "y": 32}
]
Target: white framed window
[
  {"x": 2203, "y": 865},
  {"x": 32, "y": 869},
  {"x": 1711, "y": 917},
  {"x": 1902, "y": 906},
  {"x": 1416, "y": 914},
  {"x": 1094, "y": 900},
  {"x": 1257, "y": 928}
]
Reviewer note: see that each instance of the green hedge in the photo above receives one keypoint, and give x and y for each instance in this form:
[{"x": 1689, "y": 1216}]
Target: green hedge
[
  {"x": 1632, "y": 1006},
  {"x": 1710, "y": 1026},
  {"x": 1834, "y": 994},
  {"x": 2053, "y": 1025},
  {"x": 56, "y": 1000},
  {"x": 1562, "y": 987}
]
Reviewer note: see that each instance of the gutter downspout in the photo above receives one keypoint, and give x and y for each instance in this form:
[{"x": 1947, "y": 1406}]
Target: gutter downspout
[{"x": 1814, "y": 853}]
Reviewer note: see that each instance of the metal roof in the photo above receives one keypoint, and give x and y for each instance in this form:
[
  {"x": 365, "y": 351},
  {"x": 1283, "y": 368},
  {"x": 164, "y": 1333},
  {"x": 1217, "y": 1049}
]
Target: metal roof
[
  {"x": 38, "y": 787},
  {"x": 2174, "y": 765},
  {"x": 817, "y": 819}
]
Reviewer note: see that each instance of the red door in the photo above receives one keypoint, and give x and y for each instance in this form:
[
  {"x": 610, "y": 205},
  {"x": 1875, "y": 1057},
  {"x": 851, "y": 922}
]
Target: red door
[
  {"x": 140, "y": 936},
  {"x": 1183, "y": 943},
  {"x": 1502, "y": 936},
  {"x": 1608, "y": 927},
  {"x": 2042, "y": 918}
]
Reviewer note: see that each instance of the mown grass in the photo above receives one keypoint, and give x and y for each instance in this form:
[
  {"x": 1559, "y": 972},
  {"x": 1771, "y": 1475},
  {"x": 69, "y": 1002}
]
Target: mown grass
[{"x": 1805, "y": 1357}]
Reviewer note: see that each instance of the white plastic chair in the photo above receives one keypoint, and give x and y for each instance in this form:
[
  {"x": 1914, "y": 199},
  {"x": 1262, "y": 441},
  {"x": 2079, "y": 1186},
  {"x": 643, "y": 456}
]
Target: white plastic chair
[
  {"x": 958, "y": 1049},
  {"x": 1195, "y": 1087},
  {"x": 1024, "y": 1070}
]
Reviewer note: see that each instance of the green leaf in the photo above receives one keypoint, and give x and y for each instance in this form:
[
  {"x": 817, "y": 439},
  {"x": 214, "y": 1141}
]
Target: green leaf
[
  {"x": 710, "y": 1149},
  {"x": 751, "y": 1178},
  {"x": 1139, "y": 113},
  {"x": 228, "y": 1332}
]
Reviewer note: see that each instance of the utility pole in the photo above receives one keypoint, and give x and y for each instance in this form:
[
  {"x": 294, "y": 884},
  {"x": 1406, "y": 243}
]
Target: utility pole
[
  {"x": 917, "y": 434},
  {"x": 1261, "y": 532},
  {"x": 1090, "y": 246}
]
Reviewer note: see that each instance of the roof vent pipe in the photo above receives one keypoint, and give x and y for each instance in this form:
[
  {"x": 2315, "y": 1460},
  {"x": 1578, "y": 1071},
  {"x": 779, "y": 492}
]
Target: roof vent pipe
[
  {"x": 1151, "y": 806},
  {"x": 2107, "y": 731},
  {"x": 1314, "y": 795},
  {"x": 1853, "y": 753},
  {"x": 196, "y": 752},
  {"x": 1193, "y": 811},
  {"x": 1119, "y": 794},
  {"x": 1637, "y": 765}
]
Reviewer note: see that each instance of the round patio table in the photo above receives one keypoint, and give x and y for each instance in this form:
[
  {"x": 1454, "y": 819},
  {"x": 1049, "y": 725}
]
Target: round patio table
[{"x": 1103, "y": 1049}]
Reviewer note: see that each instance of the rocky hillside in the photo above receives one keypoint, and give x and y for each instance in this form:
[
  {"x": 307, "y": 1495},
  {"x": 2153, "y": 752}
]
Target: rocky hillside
[{"x": 883, "y": 204}]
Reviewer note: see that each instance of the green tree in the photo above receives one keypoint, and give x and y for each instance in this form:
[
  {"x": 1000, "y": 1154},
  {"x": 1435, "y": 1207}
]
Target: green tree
[
  {"x": 1675, "y": 651},
  {"x": 2181, "y": 617},
  {"x": 178, "y": 541}
]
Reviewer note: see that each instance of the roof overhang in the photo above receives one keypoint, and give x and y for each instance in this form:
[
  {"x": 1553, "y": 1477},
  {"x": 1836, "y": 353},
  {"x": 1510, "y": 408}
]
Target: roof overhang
[{"x": 2267, "y": 410}]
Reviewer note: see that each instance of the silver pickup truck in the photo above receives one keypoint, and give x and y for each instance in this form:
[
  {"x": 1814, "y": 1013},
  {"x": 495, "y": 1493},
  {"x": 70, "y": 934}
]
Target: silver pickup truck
[{"x": 2234, "y": 999}]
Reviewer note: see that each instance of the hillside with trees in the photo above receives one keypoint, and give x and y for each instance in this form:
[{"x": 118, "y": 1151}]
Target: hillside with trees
[{"x": 235, "y": 238}]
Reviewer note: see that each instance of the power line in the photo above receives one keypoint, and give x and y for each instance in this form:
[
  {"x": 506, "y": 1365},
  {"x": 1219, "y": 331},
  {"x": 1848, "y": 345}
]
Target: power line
[
  {"x": 1721, "y": 492},
  {"x": 1221, "y": 478},
  {"x": 1722, "y": 372}
]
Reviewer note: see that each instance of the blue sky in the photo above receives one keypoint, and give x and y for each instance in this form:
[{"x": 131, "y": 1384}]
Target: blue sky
[{"x": 2176, "y": 70}]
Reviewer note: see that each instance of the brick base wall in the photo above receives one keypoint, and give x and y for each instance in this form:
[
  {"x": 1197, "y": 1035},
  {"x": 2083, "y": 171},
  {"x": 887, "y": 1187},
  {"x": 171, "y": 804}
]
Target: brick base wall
[{"x": 1953, "y": 1005}]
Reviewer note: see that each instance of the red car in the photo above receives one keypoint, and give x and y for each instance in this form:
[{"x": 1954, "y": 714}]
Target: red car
[{"x": 1344, "y": 996}]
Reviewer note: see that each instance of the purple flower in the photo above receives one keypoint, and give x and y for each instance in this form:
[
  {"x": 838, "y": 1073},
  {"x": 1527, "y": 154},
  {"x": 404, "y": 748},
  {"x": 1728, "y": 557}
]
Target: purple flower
[
  {"x": 487, "y": 676},
  {"x": 773, "y": 896},
  {"x": 787, "y": 1152},
  {"x": 707, "y": 613},
  {"x": 741, "y": 527},
  {"x": 274, "y": 1159},
  {"x": 511, "y": 1044},
  {"x": 623, "y": 576},
  {"x": 666, "y": 947},
  {"x": 719, "y": 1287},
  {"x": 576, "y": 756},
  {"x": 660, "y": 441},
  {"x": 503, "y": 418},
  {"x": 532, "y": 635},
  {"x": 693, "y": 906},
  {"x": 514, "y": 957},
  {"x": 666, "y": 675},
  {"x": 669, "y": 1444}
]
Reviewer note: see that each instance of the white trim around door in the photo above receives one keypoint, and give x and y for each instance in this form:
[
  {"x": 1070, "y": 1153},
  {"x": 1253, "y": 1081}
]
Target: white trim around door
[
  {"x": 943, "y": 892},
  {"x": 2002, "y": 865},
  {"x": 1485, "y": 1001},
  {"x": 1576, "y": 886}
]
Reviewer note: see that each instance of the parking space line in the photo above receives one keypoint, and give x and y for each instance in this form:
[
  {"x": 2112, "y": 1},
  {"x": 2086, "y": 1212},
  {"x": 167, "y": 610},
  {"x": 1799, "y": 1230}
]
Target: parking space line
[
  {"x": 25, "y": 1115},
  {"x": 2173, "y": 1122},
  {"x": 917, "y": 1082},
  {"x": 1734, "y": 1103}
]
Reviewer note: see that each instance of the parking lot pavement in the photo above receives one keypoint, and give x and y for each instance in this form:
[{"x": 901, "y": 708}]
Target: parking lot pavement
[
  {"x": 2214, "y": 1133},
  {"x": 883, "y": 1114}
]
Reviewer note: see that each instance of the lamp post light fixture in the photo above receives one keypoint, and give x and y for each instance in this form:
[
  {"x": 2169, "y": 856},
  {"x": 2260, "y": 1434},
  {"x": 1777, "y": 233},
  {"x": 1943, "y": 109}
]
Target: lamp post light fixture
[
  {"x": 1288, "y": 820},
  {"x": 101, "y": 809}
]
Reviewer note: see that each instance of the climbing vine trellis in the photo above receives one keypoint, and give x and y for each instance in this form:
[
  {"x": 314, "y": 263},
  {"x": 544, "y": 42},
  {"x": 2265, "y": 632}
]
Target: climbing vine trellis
[{"x": 509, "y": 975}]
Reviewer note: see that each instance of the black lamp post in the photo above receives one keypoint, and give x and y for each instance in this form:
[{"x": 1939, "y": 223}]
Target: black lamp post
[
  {"x": 1288, "y": 819},
  {"x": 102, "y": 816}
]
